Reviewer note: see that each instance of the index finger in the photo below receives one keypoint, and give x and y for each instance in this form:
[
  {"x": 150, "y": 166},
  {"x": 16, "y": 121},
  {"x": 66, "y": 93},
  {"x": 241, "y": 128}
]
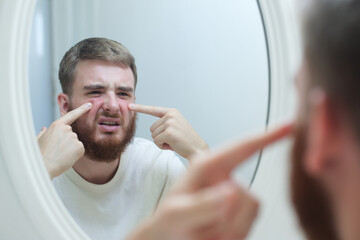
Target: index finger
[
  {"x": 220, "y": 164},
  {"x": 71, "y": 116},
  {"x": 151, "y": 110},
  {"x": 238, "y": 152}
]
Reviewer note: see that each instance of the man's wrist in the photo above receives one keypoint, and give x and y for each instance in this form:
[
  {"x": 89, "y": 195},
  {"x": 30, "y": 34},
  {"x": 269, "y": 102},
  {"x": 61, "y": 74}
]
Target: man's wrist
[
  {"x": 50, "y": 169},
  {"x": 201, "y": 150},
  {"x": 51, "y": 172}
]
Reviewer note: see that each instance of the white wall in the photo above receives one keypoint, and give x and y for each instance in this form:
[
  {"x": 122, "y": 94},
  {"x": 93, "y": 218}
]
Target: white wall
[{"x": 206, "y": 58}]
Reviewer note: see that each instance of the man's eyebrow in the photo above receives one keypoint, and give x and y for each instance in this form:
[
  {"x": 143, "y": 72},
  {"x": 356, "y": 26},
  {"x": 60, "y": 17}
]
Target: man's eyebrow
[
  {"x": 125, "y": 89},
  {"x": 94, "y": 87}
]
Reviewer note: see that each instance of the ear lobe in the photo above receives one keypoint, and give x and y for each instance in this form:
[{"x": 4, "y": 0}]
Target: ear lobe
[
  {"x": 320, "y": 133},
  {"x": 63, "y": 103}
]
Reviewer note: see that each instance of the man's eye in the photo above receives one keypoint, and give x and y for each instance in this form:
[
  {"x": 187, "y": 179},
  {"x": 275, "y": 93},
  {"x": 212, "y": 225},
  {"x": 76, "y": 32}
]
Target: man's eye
[
  {"x": 123, "y": 94},
  {"x": 95, "y": 92}
]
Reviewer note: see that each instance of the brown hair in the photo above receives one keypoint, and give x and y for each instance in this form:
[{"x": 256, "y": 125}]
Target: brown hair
[
  {"x": 332, "y": 51},
  {"x": 93, "y": 48}
]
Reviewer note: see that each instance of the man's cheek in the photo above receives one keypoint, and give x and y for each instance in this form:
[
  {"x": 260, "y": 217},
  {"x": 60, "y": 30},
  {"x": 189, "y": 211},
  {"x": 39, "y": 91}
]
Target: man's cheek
[
  {"x": 96, "y": 105},
  {"x": 125, "y": 111},
  {"x": 83, "y": 121}
]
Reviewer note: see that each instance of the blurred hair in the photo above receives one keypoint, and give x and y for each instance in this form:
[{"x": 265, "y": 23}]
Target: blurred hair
[
  {"x": 331, "y": 31},
  {"x": 93, "y": 48}
]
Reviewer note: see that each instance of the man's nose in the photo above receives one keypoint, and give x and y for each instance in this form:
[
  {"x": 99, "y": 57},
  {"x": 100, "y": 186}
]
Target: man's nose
[{"x": 110, "y": 104}]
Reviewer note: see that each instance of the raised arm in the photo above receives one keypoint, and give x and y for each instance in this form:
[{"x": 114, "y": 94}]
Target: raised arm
[
  {"x": 173, "y": 131},
  {"x": 206, "y": 203},
  {"x": 59, "y": 145}
]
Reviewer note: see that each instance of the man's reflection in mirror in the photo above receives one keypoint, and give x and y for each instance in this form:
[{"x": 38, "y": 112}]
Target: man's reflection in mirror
[
  {"x": 107, "y": 179},
  {"x": 325, "y": 176}
]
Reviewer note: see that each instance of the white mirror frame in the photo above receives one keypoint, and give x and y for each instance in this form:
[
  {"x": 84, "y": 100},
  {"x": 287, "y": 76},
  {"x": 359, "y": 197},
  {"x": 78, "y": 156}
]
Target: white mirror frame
[{"x": 32, "y": 209}]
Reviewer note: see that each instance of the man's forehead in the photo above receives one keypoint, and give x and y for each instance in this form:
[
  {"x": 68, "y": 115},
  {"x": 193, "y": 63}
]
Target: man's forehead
[
  {"x": 106, "y": 85},
  {"x": 103, "y": 73}
]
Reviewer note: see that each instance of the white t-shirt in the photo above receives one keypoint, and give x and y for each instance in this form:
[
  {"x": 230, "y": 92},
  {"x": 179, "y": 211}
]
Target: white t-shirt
[{"x": 110, "y": 211}]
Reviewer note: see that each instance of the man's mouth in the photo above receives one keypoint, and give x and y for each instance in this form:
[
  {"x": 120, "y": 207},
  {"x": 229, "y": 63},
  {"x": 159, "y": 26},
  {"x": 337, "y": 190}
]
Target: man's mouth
[{"x": 108, "y": 124}]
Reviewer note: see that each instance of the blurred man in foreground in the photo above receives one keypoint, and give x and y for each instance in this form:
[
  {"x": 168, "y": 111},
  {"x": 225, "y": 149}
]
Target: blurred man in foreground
[{"x": 325, "y": 176}]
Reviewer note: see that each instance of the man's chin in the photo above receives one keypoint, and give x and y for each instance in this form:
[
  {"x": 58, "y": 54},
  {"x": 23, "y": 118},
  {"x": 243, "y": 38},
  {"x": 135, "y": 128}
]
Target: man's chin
[
  {"x": 110, "y": 129},
  {"x": 101, "y": 146},
  {"x": 107, "y": 136}
]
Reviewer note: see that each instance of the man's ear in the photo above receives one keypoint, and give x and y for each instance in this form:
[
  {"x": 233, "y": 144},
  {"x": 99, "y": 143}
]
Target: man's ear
[
  {"x": 63, "y": 103},
  {"x": 322, "y": 133}
]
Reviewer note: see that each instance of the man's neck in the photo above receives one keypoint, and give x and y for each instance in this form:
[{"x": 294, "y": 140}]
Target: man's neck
[{"x": 96, "y": 172}]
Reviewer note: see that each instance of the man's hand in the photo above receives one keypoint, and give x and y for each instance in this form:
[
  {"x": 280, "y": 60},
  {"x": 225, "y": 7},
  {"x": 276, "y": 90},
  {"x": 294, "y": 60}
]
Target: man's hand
[
  {"x": 206, "y": 203},
  {"x": 172, "y": 131},
  {"x": 59, "y": 145}
]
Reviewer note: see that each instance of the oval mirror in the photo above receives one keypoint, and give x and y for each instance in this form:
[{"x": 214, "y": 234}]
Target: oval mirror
[{"x": 208, "y": 59}]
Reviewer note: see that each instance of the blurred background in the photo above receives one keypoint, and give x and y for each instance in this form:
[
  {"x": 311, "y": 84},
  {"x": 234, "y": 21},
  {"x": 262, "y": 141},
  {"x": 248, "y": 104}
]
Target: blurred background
[{"x": 206, "y": 58}]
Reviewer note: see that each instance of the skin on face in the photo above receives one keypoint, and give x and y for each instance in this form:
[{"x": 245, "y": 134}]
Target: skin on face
[{"x": 110, "y": 88}]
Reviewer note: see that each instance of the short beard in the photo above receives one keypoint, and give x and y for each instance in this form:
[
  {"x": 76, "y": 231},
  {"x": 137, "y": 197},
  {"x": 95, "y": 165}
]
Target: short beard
[
  {"x": 105, "y": 150},
  {"x": 309, "y": 197}
]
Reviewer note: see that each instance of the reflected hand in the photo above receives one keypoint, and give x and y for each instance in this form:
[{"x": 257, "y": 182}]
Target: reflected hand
[
  {"x": 59, "y": 145},
  {"x": 172, "y": 131},
  {"x": 205, "y": 203}
]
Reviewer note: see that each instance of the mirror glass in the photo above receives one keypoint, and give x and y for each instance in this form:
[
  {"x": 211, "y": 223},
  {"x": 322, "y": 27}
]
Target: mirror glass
[{"x": 208, "y": 59}]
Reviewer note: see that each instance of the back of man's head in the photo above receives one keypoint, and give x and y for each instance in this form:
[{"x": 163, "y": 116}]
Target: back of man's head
[
  {"x": 331, "y": 34},
  {"x": 325, "y": 177},
  {"x": 90, "y": 49}
]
